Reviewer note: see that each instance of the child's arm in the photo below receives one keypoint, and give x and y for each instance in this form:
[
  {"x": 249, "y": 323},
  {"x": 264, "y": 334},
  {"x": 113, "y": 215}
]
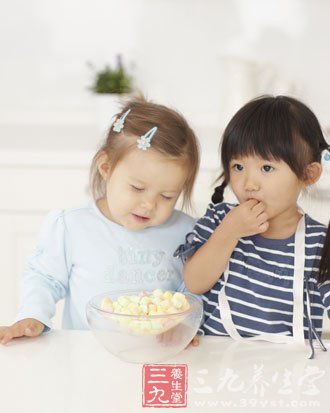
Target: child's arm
[
  {"x": 46, "y": 274},
  {"x": 45, "y": 281},
  {"x": 204, "y": 268}
]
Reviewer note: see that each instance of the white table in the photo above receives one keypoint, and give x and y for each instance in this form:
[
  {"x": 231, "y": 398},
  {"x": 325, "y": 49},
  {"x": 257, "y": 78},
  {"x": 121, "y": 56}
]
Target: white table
[{"x": 69, "y": 372}]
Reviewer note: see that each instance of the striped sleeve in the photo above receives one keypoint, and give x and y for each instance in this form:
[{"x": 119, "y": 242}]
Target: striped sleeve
[
  {"x": 325, "y": 295},
  {"x": 203, "y": 229}
]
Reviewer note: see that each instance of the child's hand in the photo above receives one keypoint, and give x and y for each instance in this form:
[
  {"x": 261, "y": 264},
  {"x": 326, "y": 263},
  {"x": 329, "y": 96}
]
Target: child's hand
[
  {"x": 169, "y": 337},
  {"x": 28, "y": 327},
  {"x": 194, "y": 342},
  {"x": 248, "y": 218}
]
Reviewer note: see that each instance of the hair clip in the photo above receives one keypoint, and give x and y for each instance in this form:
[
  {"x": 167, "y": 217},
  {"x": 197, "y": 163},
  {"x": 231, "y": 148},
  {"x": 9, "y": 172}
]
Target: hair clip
[
  {"x": 325, "y": 161},
  {"x": 326, "y": 154},
  {"x": 119, "y": 123},
  {"x": 144, "y": 141}
]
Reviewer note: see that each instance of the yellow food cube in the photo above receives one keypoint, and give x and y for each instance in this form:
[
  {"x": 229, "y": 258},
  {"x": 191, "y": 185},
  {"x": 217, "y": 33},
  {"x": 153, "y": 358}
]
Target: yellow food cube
[{"x": 106, "y": 304}]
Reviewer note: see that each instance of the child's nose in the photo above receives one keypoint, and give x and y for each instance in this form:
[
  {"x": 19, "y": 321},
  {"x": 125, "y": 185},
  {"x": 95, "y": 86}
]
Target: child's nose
[
  {"x": 251, "y": 184},
  {"x": 148, "y": 203}
]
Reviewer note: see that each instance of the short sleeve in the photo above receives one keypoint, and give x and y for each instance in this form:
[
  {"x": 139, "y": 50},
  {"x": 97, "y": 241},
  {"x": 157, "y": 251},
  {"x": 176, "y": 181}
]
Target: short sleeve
[
  {"x": 203, "y": 229},
  {"x": 46, "y": 274}
]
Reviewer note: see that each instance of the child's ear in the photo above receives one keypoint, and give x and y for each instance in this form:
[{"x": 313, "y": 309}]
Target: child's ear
[
  {"x": 313, "y": 172},
  {"x": 103, "y": 165}
]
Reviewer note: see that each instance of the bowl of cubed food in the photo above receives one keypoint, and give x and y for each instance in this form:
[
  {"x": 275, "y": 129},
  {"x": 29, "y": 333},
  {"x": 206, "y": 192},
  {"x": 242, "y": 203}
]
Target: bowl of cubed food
[{"x": 144, "y": 326}]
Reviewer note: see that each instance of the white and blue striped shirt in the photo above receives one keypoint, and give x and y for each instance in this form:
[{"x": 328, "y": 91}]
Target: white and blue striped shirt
[{"x": 260, "y": 283}]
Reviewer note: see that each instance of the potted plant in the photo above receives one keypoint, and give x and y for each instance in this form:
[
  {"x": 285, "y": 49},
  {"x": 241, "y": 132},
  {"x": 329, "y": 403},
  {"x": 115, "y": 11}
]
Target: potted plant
[{"x": 110, "y": 87}]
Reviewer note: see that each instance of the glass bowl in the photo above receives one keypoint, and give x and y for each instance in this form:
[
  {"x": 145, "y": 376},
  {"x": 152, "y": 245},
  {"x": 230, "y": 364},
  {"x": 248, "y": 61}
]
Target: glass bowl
[{"x": 143, "y": 338}]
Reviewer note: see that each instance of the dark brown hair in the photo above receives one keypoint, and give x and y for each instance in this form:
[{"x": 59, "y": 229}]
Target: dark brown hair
[
  {"x": 281, "y": 128},
  {"x": 174, "y": 139}
]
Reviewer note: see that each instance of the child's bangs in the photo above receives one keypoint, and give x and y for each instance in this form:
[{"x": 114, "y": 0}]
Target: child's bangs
[
  {"x": 263, "y": 142},
  {"x": 267, "y": 131}
]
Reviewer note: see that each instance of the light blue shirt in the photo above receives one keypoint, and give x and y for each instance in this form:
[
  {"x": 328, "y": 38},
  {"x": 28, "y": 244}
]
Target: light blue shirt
[{"x": 80, "y": 253}]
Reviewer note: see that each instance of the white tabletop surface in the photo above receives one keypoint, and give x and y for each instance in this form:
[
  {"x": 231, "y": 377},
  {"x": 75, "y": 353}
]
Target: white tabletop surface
[{"x": 69, "y": 372}]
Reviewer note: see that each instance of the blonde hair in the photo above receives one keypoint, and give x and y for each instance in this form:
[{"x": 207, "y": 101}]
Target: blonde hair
[{"x": 174, "y": 139}]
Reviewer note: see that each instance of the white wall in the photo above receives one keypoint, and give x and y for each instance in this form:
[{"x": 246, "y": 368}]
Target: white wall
[
  {"x": 204, "y": 57},
  {"x": 179, "y": 50}
]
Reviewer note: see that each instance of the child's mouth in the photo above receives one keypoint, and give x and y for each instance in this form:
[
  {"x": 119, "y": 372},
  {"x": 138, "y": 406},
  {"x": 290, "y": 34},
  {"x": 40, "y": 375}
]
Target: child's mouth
[{"x": 140, "y": 218}]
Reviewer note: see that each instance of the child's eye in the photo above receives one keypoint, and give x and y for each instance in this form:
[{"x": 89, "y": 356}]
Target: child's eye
[
  {"x": 136, "y": 188},
  {"x": 267, "y": 168},
  {"x": 166, "y": 197},
  {"x": 238, "y": 167}
]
